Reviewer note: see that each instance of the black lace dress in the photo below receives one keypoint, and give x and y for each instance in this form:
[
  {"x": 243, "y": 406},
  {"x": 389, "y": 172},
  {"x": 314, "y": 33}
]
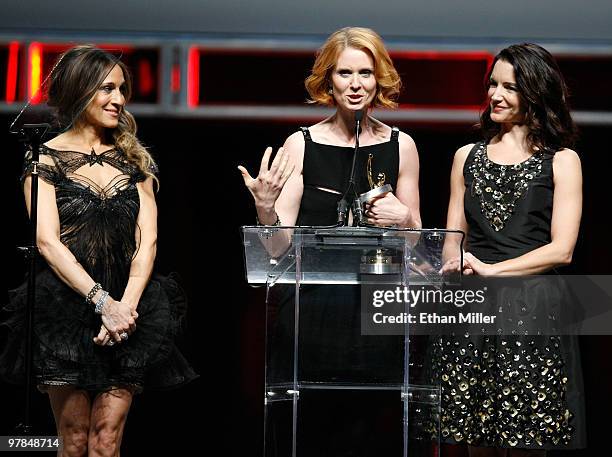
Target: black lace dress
[
  {"x": 98, "y": 225},
  {"x": 512, "y": 389}
]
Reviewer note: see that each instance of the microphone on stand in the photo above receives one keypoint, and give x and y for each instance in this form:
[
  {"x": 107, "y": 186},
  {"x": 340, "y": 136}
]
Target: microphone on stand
[
  {"x": 343, "y": 203},
  {"x": 32, "y": 135},
  {"x": 358, "y": 117}
]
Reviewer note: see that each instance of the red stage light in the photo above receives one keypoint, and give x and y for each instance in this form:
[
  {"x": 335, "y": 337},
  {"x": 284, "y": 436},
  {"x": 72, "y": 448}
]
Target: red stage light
[
  {"x": 193, "y": 77},
  {"x": 11, "y": 72},
  {"x": 145, "y": 77},
  {"x": 175, "y": 79}
]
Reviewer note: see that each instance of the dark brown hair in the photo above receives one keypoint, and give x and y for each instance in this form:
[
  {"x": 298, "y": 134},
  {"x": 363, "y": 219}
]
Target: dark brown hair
[{"x": 543, "y": 96}]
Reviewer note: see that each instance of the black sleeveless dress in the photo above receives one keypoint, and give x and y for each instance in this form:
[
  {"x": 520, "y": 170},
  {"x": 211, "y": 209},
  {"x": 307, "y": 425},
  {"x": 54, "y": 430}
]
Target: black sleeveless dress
[
  {"x": 332, "y": 349},
  {"x": 329, "y": 167},
  {"x": 511, "y": 390},
  {"x": 330, "y": 315},
  {"x": 98, "y": 225}
]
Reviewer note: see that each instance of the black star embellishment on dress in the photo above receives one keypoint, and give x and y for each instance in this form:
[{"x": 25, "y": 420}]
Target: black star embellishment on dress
[{"x": 95, "y": 158}]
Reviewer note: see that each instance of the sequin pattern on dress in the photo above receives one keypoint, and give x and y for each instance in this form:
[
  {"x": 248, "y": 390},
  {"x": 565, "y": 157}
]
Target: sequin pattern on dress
[
  {"x": 503, "y": 391},
  {"x": 498, "y": 187}
]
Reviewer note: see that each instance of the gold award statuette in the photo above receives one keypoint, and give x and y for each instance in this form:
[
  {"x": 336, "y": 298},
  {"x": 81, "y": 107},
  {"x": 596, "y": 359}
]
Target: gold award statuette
[
  {"x": 379, "y": 261},
  {"x": 377, "y": 188}
]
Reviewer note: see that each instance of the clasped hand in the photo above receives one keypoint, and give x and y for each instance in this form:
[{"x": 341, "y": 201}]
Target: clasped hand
[
  {"x": 118, "y": 322},
  {"x": 471, "y": 265}
]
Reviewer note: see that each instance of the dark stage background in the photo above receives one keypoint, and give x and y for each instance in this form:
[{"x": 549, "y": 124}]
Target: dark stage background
[{"x": 202, "y": 203}]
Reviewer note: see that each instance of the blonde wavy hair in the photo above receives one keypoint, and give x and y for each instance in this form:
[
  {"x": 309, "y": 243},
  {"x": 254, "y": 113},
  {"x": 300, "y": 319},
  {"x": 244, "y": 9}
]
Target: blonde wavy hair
[
  {"x": 367, "y": 40},
  {"x": 73, "y": 84}
]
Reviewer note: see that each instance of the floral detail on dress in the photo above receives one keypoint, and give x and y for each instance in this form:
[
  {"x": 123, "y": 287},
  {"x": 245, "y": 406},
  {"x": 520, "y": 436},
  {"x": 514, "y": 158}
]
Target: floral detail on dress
[{"x": 498, "y": 187}]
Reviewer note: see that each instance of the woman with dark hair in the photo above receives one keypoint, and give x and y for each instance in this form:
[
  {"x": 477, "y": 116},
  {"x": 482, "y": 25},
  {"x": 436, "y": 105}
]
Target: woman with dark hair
[
  {"x": 104, "y": 326},
  {"x": 518, "y": 196}
]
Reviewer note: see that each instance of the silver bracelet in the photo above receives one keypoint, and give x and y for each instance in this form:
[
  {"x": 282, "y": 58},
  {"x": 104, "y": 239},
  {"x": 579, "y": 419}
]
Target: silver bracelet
[{"x": 101, "y": 302}]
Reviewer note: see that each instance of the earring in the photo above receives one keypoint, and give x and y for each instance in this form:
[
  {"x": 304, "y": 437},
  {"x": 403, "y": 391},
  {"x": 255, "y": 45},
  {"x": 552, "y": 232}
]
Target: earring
[{"x": 330, "y": 91}]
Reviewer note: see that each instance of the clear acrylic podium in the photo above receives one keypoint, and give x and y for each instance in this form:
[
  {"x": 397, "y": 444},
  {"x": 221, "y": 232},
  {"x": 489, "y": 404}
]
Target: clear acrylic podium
[{"x": 331, "y": 388}]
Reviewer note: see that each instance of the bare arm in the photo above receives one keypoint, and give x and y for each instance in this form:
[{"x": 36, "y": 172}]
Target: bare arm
[
  {"x": 58, "y": 256},
  {"x": 142, "y": 264},
  {"x": 455, "y": 218},
  {"x": 287, "y": 205},
  {"x": 401, "y": 208},
  {"x": 277, "y": 190},
  {"x": 566, "y": 214}
]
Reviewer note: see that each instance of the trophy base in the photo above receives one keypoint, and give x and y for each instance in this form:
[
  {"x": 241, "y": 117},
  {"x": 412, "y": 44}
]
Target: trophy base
[
  {"x": 379, "y": 263},
  {"x": 379, "y": 269}
]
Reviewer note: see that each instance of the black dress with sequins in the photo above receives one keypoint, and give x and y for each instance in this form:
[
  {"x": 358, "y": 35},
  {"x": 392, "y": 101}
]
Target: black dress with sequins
[
  {"x": 98, "y": 225},
  {"x": 513, "y": 390}
]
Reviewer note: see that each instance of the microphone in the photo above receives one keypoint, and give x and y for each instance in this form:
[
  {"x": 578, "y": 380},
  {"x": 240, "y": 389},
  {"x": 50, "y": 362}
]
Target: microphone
[
  {"x": 343, "y": 204},
  {"x": 358, "y": 117}
]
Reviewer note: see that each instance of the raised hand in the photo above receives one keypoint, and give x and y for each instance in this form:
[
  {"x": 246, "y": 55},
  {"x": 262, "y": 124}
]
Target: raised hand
[{"x": 269, "y": 183}]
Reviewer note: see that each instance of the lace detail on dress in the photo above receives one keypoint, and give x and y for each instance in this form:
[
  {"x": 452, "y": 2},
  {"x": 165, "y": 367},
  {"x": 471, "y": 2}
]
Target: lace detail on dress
[
  {"x": 97, "y": 220},
  {"x": 499, "y": 187},
  {"x": 98, "y": 224}
]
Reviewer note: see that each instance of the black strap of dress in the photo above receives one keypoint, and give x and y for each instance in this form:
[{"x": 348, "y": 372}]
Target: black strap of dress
[{"x": 394, "y": 133}]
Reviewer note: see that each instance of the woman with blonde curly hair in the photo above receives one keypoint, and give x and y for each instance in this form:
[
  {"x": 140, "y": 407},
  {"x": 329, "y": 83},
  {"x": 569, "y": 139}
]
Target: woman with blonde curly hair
[{"x": 104, "y": 326}]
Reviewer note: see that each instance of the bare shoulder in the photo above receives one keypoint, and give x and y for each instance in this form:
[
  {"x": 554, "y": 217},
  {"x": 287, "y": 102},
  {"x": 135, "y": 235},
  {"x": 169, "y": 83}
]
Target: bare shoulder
[
  {"x": 409, "y": 156},
  {"x": 566, "y": 158},
  {"x": 322, "y": 131},
  {"x": 57, "y": 142},
  {"x": 464, "y": 150},
  {"x": 461, "y": 155},
  {"x": 566, "y": 167},
  {"x": 295, "y": 140},
  {"x": 46, "y": 159},
  {"x": 294, "y": 146},
  {"x": 61, "y": 142},
  {"x": 406, "y": 143},
  {"x": 147, "y": 186}
]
